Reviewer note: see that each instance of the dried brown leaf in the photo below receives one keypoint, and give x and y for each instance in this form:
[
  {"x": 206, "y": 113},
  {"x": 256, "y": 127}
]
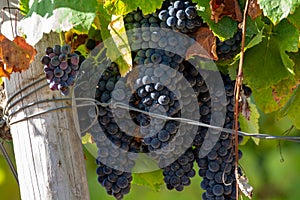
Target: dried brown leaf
[
  {"x": 254, "y": 10},
  {"x": 221, "y": 8},
  {"x": 205, "y": 39}
]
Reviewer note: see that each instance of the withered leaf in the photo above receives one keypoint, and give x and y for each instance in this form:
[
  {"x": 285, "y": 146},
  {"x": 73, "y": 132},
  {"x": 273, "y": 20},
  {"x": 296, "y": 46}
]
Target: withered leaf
[
  {"x": 244, "y": 107},
  {"x": 207, "y": 41},
  {"x": 4, "y": 71},
  {"x": 254, "y": 10},
  {"x": 221, "y": 8},
  {"x": 16, "y": 55},
  {"x": 74, "y": 39}
]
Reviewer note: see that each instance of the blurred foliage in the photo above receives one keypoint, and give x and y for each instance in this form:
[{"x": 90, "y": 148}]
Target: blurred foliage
[
  {"x": 8, "y": 185},
  {"x": 272, "y": 171}
]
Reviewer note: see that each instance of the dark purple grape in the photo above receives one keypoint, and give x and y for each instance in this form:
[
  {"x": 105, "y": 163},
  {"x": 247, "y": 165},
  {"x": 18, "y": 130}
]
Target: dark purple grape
[
  {"x": 58, "y": 72},
  {"x": 49, "y": 75},
  {"x": 63, "y": 65},
  {"x": 56, "y": 49},
  {"x": 45, "y": 60},
  {"x": 70, "y": 81},
  {"x": 49, "y": 50},
  {"x": 74, "y": 59},
  {"x": 62, "y": 57},
  {"x": 55, "y": 61},
  {"x": 65, "y": 49}
]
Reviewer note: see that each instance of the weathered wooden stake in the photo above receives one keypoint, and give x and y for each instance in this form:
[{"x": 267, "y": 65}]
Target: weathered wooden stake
[{"x": 48, "y": 150}]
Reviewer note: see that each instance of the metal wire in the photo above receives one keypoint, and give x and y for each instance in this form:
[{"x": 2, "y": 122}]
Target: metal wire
[
  {"x": 9, "y": 106},
  {"x": 9, "y": 162},
  {"x": 112, "y": 106}
]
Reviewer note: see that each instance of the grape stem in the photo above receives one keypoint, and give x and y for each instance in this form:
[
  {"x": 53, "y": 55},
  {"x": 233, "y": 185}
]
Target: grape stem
[
  {"x": 61, "y": 38},
  {"x": 238, "y": 85}
]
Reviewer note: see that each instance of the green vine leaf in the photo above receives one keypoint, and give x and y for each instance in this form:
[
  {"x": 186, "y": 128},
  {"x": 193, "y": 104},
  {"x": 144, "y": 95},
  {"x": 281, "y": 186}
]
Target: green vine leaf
[
  {"x": 59, "y": 15},
  {"x": 224, "y": 29},
  {"x": 112, "y": 48},
  {"x": 252, "y": 125},
  {"x": 264, "y": 100},
  {"x": 24, "y": 6},
  {"x": 267, "y": 63},
  {"x": 295, "y": 18},
  {"x": 122, "y": 7},
  {"x": 278, "y": 10},
  {"x": 46, "y": 7},
  {"x": 153, "y": 180},
  {"x": 291, "y": 110},
  {"x": 292, "y": 106}
]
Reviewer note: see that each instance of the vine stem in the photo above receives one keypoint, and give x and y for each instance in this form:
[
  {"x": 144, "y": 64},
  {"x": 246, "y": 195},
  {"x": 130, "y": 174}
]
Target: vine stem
[
  {"x": 61, "y": 38},
  {"x": 237, "y": 89}
]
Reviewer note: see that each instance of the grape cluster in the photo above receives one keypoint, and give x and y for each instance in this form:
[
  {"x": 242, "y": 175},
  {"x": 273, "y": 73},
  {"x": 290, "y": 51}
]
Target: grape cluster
[
  {"x": 142, "y": 30},
  {"x": 218, "y": 167},
  {"x": 113, "y": 163},
  {"x": 158, "y": 99},
  {"x": 113, "y": 166},
  {"x": 61, "y": 67},
  {"x": 178, "y": 174},
  {"x": 181, "y": 16},
  {"x": 229, "y": 48},
  {"x": 104, "y": 94},
  {"x": 158, "y": 72},
  {"x": 116, "y": 182}
]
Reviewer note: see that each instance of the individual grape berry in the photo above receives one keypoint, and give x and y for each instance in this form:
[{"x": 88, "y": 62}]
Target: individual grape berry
[
  {"x": 63, "y": 65},
  {"x": 90, "y": 44},
  {"x": 58, "y": 72},
  {"x": 45, "y": 60},
  {"x": 62, "y": 57},
  {"x": 65, "y": 49},
  {"x": 55, "y": 61},
  {"x": 49, "y": 50},
  {"x": 74, "y": 59},
  {"x": 56, "y": 49}
]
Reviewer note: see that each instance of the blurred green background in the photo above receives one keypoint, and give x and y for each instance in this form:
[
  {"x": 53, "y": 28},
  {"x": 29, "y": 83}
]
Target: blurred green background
[{"x": 274, "y": 172}]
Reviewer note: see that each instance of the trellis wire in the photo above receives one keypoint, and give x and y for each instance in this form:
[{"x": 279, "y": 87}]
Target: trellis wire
[
  {"x": 155, "y": 115},
  {"x": 96, "y": 103}
]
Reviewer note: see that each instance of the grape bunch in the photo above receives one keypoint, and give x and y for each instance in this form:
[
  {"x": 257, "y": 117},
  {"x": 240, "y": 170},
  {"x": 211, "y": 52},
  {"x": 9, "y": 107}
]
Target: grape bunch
[
  {"x": 104, "y": 94},
  {"x": 178, "y": 174},
  {"x": 227, "y": 49},
  {"x": 61, "y": 67},
  {"x": 116, "y": 182},
  {"x": 113, "y": 164},
  {"x": 157, "y": 87},
  {"x": 181, "y": 16},
  {"x": 217, "y": 168}
]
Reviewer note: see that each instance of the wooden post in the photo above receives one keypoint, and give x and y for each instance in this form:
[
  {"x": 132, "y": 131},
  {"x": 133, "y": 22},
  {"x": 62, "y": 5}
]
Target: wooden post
[{"x": 48, "y": 150}]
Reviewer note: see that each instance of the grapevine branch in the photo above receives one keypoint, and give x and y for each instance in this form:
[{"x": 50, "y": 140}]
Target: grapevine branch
[{"x": 238, "y": 85}]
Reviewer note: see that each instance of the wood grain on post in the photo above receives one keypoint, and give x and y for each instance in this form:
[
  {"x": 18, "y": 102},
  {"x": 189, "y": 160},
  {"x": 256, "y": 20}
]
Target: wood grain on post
[{"x": 48, "y": 150}]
